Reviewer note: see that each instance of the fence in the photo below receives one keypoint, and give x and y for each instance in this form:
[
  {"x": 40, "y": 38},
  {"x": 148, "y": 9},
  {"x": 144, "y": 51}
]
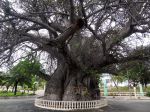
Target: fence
[{"x": 70, "y": 105}]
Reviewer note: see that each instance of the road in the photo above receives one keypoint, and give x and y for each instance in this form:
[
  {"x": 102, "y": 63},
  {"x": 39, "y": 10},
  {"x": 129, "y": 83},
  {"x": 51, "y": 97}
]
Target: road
[{"x": 26, "y": 105}]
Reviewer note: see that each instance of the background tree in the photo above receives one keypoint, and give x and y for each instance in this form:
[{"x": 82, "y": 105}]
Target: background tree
[
  {"x": 1, "y": 78},
  {"x": 4, "y": 80},
  {"x": 80, "y": 36},
  {"x": 118, "y": 79},
  {"x": 23, "y": 73},
  {"x": 137, "y": 72}
]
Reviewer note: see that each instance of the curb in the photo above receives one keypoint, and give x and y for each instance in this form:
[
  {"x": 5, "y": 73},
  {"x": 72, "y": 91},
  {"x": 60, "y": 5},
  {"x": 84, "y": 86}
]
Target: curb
[
  {"x": 18, "y": 97},
  {"x": 128, "y": 98}
]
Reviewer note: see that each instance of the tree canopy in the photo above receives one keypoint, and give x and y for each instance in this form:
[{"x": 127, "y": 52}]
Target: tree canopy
[
  {"x": 27, "y": 67},
  {"x": 24, "y": 73},
  {"x": 100, "y": 42},
  {"x": 135, "y": 72}
]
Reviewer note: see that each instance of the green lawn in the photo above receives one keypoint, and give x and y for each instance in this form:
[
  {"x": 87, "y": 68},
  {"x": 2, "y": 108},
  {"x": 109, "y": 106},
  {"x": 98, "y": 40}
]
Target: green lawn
[
  {"x": 8, "y": 94},
  {"x": 126, "y": 89}
]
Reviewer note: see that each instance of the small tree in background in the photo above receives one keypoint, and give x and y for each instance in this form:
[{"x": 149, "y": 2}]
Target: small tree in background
[
  {"x": 23, "y": 73},
  {"x": 118, "y": 79},
  {"x": 1, "y": 78},
  {"x": 135, "y": 72},
  {"x": 4, "y": 80}
]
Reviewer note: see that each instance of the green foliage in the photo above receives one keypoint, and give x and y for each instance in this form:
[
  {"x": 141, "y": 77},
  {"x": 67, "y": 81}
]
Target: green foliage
[
  {"x": 9, "y": 94},
  {"x": 126, "y": 89},
  {"x": 24, "y": 73},
  {"x": 93, "y": 73},
  {"x": 4, "y": 79},
  {"x": 119, "y": 78},
  {"x": 136, "y": 72},
  {"x": 122, "y": 89},
  {"x": 26, "y": 67},
  {"x": 1, "y": 78},
  {"x": 148, "y": 94}
]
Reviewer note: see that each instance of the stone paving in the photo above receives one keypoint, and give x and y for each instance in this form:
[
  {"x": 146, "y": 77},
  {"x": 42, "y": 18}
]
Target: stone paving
[{"x": 27, "y": 105}]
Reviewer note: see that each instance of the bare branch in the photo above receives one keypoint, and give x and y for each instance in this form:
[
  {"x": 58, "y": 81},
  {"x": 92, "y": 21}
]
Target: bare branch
[
  {"x": 44, "y": 76},
  {"x": 34, "y": 21},
  {"x": 72, "y": 11},
  {"x": 68, "y": 32}
]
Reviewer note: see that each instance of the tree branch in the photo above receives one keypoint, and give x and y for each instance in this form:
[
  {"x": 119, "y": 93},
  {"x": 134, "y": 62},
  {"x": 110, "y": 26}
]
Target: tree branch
[
  {"x": 25, "y": 17},
  {"x": 5, "y": 20},
  {"x": 68, "y": 32},
  {"x": 72, "y": 11},
  {"x": 120, "y": 35},
  {"x": 132, "y": 58},
  {"x": 44, "y": 76}
]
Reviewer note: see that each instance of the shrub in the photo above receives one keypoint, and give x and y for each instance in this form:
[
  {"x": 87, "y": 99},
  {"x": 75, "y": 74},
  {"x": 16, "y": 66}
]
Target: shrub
[{"x": 148, "y": 94}]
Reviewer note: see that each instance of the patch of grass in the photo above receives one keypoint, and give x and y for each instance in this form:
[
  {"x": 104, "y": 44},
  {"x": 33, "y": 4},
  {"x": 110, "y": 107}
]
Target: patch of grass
[
  {"x": 9, "y": 94},
  {"x": 122, "y": 89},
  {"x": 126, "y": 89}
]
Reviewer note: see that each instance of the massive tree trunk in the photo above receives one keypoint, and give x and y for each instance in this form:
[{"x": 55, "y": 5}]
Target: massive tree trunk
[
  {"x": 54, "y": 87},
  {"x": 70, "y": 83},
  {"x": 81, "y": 86}
]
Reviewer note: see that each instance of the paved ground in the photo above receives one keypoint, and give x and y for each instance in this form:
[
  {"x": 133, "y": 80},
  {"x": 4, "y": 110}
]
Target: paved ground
[
  {"x": 19, "y": 105},
  {"x": 128, "y": 106},
  {"x": 26, "y": 105}
]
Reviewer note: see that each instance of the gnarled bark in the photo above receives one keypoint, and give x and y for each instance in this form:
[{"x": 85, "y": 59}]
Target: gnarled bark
[
  {"x": 69, "y": 83},
  {"x": 54, "y": 87}
]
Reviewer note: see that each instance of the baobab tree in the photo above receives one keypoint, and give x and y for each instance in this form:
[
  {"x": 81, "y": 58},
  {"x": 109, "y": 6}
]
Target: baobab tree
[{"x": 83, "y": 37}]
